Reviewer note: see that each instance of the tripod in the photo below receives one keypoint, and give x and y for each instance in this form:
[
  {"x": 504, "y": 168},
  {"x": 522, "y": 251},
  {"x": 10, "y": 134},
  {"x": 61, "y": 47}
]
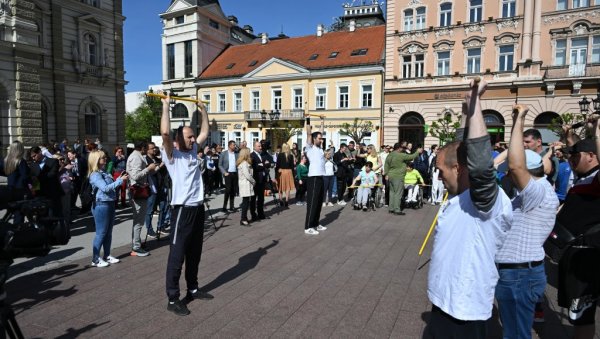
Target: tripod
[{"x": 207, "y": 208}]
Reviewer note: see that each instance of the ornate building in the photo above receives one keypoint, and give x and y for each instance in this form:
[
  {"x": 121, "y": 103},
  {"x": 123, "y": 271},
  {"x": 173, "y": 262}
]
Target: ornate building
[
  {"x": 542, "y": 53},
  {"x": 61, "y": 71}
]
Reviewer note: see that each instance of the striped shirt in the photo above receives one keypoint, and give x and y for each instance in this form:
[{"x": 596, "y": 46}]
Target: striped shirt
[{"x": 534, "y": 213}]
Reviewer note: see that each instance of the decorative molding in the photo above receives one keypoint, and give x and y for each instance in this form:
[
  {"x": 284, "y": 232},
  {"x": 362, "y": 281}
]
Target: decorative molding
[
  {"x": 5, "y": 7},
  {"x": 507, "y": 24},
  {"x": 413, "y": 3},
  {"x": 576, "y": 87},
  {"x": 561, "y": 18},
  {"x": 474, "y": 42},
  {"x": 413, "y": 36},
  {"x": 443, "y": 32},
  {"x": 474, "y": 28},
  {"x": 581, "y": 29},
  {"x": 550, "y": 86},
  {"x": 412, "y": 48},
  {"x": 444, "y": 45}
]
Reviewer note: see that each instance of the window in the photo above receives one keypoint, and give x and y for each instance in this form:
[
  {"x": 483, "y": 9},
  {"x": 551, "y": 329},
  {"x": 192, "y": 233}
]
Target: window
[
  {"x": 596, "y": 49},
  {"x": 321, "y": 97},
  {"x": 237, "y": 137},
  {"x": 408, "y": 19},
  {"x": 579, "y": 51},
  {"x": 254, "y": 137},
  {"x": 179, "y": 20},
  {"x": 313, "y": 57},
  {"x": 252, "y": 63},
  {"x": 475, "y": 10},
  {"x": 414, "y": 62},
  {"x": 91, "y": 49},
  {"x": 221, "y": 99},
  {"x": 443, "y": 63},
  {"x": 560, "y": 54},
  {"x": 580, "y": 3},
  {"x": 91, "y": 119},
  {"x": 445, "y": 14},
  {"x": 343, "y": 96},
  {"x": 420, "y": 18},
  {"x": 170, "y": 61},
  {"x": 189, "y": 72},
  {"x": 333, "y": 55},
  {"x": 508, "y": 8},
  {"x": 356, "y": 52},
  {"x": 180, "y": 111},
  {"x": 367, "y": 95},
  {"x": 237, "y": 102},
  {"x": 298, "y": 98},
  {"x": 561, "y": 5},
  {"x": 230, "y": 66},
  {"x": 276, "y": 99},
  {"x": 95, "y": 3},
  {"x": 474, "y": 60},
  {"x": 506, "y": 56},
  {"x": 206, "y": 99},
  {"x": 213, "y": 24},
  {"x": 255, "y": 104}
]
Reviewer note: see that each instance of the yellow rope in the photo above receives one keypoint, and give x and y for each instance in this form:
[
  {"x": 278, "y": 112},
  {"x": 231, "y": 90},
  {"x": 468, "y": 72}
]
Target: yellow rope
[{"x": 432, "y": 226}]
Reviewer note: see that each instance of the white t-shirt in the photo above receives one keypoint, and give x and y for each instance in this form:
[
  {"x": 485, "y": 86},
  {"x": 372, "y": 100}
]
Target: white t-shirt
[
  {"x": 185, "y": 172},
  {"x": 316, "y": 157},
  {"x": 329, "y": 168}
]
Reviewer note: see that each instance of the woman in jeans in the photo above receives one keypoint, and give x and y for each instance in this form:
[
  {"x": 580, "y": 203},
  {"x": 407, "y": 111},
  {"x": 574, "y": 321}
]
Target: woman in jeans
[
  {"x": 103, "y": 207},
  {"x": 245, "y": 182},
  {"x": 328, "y": 179}
]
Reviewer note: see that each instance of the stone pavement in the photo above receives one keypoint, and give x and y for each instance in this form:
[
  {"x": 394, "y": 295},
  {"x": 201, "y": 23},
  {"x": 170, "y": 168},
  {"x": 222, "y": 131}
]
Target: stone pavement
[{"x": 362, "y": 278}]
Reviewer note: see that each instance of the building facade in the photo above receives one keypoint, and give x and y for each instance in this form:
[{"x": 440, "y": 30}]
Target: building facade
[
  {"x": 61, "y": 71},
  {"x": 542, "y": 53},
  {"x": 338, "y": 75},
  {"x": 194, "y": 33}
]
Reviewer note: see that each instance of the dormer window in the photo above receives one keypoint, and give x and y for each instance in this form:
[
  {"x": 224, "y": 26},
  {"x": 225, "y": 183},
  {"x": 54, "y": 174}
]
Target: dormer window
[
  {"x": 314, "y": 57},
  {"x": 252, "y": 63},
  {"x": 333, "y": 55},
  {"x": 230, "y": 66},
  {"x": 358, "y": 52}
]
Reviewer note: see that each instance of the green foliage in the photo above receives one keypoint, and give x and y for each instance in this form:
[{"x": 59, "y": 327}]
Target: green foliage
[
  {"x": 568, "y": 119},
  {"x": 445, "y": 128},
  {"x": 144, "y": 122},
  {"x": 357, "y": 130},
  {"x": 283, "y": 135}
]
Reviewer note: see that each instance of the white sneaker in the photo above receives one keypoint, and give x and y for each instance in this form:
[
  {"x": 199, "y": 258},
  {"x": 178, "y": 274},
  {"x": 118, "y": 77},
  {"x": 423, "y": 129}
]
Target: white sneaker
[
  {"x": 329, "y": 204},
  {"x": 341, "y": 203},
  {"x": 324, "y": 204},
  {"x": 311, "y": 231},
  {"x": 112, "y": 260},
  {"x": 321, "y": 228},
  {"x": 299, "y": 203},
  {"x": 100, "y": 263}
]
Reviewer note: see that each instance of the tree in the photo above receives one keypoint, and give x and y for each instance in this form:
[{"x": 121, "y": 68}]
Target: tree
[
  {"x": 282, "y": 135},
  {"x": 445, "y": 128},
  {"x": 569, "y": 119},
  {"x": 357, "y": 130},
  {"x": 144, "y": 122}
]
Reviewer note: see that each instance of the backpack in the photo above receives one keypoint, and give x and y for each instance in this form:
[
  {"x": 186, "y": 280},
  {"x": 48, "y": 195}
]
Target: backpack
[{"x": 87, "y": 194}]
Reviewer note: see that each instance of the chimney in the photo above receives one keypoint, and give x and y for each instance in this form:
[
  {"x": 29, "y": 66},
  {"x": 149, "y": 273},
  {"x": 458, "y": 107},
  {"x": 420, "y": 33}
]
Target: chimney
[
  {"x": 352, "y": 26},
  {"x": 265, "y": 38},
  {"x": 319, "y": 30},
  {"x": 248, "y": 29},
  {"x": 233, "y": 20}
]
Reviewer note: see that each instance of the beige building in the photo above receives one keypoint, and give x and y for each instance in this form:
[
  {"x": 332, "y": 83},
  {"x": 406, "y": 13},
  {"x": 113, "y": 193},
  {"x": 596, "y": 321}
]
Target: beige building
[
  {"x": 335, "y": 74},
  {"x": 61, "y": 71},
  {"x": 542, "y": 53}
]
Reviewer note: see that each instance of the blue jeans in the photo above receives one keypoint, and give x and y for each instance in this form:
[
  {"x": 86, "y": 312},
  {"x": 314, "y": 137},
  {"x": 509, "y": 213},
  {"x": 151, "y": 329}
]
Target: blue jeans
[
  {"x": 104, "y": 218},
  {"x": 150, "y": 211},
  {"x": 517, "y": 292},
  {"x": 164, "y": 215}
]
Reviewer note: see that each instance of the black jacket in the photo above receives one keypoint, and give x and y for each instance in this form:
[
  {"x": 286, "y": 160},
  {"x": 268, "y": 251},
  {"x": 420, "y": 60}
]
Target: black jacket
[
  {"x": 343, "y": 168},
  {"x": 260, "y": 167}
]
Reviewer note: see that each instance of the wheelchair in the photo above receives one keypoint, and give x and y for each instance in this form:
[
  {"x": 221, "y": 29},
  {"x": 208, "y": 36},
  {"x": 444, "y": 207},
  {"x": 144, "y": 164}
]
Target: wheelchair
[
  {"x": 413, "y": 204},
  {"x": 373, "y": 202}
]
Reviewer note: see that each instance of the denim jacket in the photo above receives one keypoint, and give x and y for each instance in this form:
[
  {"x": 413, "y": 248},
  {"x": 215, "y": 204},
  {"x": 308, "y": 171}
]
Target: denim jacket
[{"x": 104, "y": 186}]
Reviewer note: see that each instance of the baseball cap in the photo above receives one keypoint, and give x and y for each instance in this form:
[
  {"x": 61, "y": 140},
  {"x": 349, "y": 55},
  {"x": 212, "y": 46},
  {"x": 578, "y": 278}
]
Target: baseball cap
[
  {"x": 532, "y": 159},
  {"x": 585, "y": 145}
]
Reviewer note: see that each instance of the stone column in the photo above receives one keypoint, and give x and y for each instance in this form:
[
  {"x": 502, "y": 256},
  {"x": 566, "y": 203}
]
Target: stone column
[
  {"x": 537, "y": 30},
  {"x": 527, "y": 23}
]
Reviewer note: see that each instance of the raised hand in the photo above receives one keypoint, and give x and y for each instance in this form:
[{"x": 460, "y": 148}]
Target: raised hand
[{"x": 519, "y": 112}]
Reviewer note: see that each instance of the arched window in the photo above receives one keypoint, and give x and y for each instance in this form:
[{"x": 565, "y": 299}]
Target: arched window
[
  {"x": 180, "y": 111},
  {"x": 410, "y": 128},
  {"x": 92, "y": 119},
  {"x": 90, "y": 49},
  {"x": 542, "y": 123},
  {"x": 495, "y": 125}
]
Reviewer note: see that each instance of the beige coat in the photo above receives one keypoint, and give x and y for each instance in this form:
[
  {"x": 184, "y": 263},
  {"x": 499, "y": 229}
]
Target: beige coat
[{"x": 245, "y": 180}]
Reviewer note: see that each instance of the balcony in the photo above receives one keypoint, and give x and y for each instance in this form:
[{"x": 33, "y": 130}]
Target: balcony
[
  {"x": 572, "y": 71},
  {"x": 286, "y": 114}
]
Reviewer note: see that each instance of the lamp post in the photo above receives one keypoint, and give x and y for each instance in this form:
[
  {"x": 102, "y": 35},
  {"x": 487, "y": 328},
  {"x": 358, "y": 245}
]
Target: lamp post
[
  {"x": 273, "y": 116},
  {"x": 584, "y": 105}
]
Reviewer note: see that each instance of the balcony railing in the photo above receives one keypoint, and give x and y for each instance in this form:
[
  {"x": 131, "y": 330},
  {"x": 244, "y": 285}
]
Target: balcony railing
[
  {"x": 286, "y": 114},
  {"x": 576, "y": 70}
]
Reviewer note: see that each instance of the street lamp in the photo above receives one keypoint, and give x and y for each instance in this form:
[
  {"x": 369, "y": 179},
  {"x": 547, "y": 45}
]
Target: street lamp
[
  {"x": 584, "y": 105},
  {"x": 596, "y": 102},
  {"x": 273, "y": 116}
]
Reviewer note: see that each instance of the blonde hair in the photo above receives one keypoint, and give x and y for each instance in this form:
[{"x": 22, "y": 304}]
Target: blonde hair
[
  {"x": 244, "y": 156},
  {"x": 16, "y": 153},
  {"x": 93, "y": 160},
  {"x": 285, "y": 148},
  {"x": 328, "y": 154}
]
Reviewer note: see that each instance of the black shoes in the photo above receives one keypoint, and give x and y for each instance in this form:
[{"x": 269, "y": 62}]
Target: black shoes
[
  {"x": 197, "y": 294},
  {"x": 400, "y": 213},
  {"x": 178, "y": 307}
]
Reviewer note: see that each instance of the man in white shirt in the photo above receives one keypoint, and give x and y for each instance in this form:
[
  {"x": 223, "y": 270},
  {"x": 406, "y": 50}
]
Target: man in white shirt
[
  {"x": 314, "y": 185},
  {"x": 187, "y": 221},
  {"x": 471, "y": 227}
]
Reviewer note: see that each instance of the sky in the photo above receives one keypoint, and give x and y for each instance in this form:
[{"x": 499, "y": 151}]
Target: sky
[{"x": 143, "y": 28}]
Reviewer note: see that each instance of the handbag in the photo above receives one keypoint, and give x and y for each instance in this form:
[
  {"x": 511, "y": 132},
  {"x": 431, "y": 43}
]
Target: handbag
[{"x": 140, "y": 191}]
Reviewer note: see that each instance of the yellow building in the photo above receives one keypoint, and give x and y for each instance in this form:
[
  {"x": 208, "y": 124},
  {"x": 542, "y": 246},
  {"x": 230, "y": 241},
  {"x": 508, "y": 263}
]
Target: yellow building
[{"x": 338, "y": 75}]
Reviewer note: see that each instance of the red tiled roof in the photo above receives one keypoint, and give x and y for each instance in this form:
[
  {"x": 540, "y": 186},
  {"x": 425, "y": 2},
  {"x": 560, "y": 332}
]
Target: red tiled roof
[{"x": 299, "y": 50}]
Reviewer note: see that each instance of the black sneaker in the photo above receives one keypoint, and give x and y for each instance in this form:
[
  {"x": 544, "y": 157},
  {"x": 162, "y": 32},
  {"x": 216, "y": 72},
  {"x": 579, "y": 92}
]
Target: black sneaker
[
  {"x": 178, "y": 307},
  {"x": 197, "y": 294}
]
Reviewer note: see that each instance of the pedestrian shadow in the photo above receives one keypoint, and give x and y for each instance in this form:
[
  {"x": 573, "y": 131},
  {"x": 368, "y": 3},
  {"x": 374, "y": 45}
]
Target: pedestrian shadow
[
  {"x": 25, "y": 266},
  {"x": 331, "y": 217},
  {"x": 76, "y": 333},
  {"x": 245, "y": 263},
  {"x": 27, "y": 291}
]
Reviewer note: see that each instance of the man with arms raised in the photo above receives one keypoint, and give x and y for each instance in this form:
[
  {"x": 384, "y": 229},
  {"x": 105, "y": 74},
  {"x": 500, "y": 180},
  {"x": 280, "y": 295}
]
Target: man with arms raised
[
  {"x": 187, "y": 215},
  {"x": 471, "y": 228}
]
